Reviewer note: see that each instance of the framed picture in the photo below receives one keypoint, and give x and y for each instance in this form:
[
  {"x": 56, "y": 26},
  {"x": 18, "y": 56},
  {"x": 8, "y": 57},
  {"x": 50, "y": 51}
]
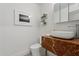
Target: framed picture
[{"x": 22, "y": 18}]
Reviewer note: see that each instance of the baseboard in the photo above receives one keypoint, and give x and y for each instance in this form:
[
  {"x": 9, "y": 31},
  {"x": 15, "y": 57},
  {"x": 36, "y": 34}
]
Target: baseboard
[{"x": 22, "y": 53}]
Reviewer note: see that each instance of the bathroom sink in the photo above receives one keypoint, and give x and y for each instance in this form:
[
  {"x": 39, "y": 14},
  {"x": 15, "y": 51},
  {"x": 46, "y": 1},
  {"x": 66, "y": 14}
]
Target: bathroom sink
[{"x": 63, "y": 34}]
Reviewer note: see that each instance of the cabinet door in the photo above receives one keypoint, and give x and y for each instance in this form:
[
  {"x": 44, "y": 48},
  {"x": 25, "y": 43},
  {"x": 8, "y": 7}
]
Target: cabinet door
[{"x": 64, "y": 12}]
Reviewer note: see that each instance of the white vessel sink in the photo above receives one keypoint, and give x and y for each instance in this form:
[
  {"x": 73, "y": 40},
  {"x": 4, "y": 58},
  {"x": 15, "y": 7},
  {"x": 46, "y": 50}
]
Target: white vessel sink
[{"x": 63, "y": 34}]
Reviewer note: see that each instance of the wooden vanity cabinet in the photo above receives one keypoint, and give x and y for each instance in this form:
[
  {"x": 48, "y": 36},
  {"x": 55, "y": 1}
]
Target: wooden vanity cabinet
[
  {"x": 61, "y": 47},
  {"x": 47, "y": 43}
]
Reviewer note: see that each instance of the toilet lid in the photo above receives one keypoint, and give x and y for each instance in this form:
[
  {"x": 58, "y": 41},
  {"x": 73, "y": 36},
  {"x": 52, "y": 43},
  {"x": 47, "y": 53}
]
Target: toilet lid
[{"x": 34, "y": 46}]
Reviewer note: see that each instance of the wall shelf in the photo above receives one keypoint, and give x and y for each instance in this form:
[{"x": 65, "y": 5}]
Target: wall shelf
[{"x": 68, "y": 21}]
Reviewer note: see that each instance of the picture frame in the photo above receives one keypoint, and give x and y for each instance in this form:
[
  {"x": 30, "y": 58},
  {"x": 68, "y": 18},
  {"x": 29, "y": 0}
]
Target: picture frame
[{"x": 22, "y": 18}]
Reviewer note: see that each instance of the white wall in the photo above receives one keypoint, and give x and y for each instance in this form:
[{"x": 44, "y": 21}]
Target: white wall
[
  {"x": 47, "y": 8},
  {"x": 16, "y": 40}
]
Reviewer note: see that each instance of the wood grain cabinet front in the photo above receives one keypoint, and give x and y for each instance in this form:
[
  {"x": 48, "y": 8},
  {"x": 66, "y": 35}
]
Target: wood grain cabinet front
[
  {"x": 47, "y": 43},
  {"x": 61, "y": 47}
]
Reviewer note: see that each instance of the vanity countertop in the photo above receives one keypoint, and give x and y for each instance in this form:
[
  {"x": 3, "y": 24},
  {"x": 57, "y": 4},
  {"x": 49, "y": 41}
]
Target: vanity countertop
[
  {"x": 73, "y": 40},
  {"x": 61, "y": 46}
]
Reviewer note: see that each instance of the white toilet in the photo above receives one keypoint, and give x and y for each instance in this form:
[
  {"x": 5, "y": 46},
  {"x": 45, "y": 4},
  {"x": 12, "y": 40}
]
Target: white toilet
[{"x": 35, "y": 49}]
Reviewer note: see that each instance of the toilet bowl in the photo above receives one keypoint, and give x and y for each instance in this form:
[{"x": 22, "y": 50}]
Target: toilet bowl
[{"x": 35, "y": 49}]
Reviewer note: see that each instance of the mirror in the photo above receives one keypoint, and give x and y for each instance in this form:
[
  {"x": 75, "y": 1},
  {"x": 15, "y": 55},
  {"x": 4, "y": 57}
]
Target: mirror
[
  {"x": 64, "y": 12},
  {"x": 61, "y": 12},
  {"x": 56, "y": 13},
  {"x": 73, "y": 11}
]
